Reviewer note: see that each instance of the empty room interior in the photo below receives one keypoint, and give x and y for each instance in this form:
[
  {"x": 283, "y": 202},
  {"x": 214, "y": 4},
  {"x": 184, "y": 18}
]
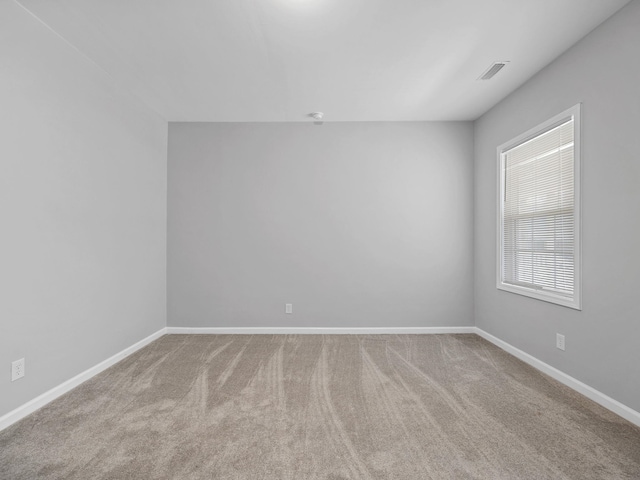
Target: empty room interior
[{"x": 320, "y": 239}]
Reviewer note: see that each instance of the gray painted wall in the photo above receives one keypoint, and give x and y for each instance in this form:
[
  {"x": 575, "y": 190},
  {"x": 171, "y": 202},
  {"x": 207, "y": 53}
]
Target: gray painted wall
[
  {"x": 603, "y": 72},
  {"x": 83, "y": 209},
  {"x": 356, "y": 224}
]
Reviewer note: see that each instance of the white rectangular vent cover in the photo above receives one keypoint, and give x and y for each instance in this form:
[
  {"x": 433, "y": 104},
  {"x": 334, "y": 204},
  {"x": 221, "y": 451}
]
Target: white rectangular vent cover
[{"x": 492, "y": 70}]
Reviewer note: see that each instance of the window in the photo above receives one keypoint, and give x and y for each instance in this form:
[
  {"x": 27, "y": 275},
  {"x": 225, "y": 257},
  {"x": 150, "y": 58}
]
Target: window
[{"x": 539, "y": 212}]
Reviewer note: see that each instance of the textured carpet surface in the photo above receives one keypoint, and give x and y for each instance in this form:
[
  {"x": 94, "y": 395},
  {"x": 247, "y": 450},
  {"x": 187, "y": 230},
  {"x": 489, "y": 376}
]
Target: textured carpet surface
[{"x": 321, "y": 407}]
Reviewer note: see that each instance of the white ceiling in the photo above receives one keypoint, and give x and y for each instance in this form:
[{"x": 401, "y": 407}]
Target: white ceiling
[{"x": 277, "y": 60}]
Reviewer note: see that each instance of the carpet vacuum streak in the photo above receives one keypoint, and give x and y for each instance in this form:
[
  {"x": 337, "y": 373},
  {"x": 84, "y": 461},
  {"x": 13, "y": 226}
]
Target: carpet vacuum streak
[{"x": 330, "y": 407}]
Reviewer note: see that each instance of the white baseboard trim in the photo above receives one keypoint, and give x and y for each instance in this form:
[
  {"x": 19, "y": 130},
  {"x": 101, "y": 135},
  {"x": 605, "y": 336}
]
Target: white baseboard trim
[
  {"x": 316, "y": 330},
  {"x": 589, "y": 392},
  {"x": 41, "y": 400}
]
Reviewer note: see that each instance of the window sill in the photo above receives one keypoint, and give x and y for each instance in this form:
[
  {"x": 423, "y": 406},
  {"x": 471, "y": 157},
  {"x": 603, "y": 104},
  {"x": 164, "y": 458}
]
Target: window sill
[{"x": 541, "y": 295}]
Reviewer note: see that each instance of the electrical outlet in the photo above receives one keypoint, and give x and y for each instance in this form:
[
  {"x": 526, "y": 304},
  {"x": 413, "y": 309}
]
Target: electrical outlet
[
  {"x": 560, "y": 341},
  {"x": 17, "y": 369},
  {"x": 288, "y": 308}
]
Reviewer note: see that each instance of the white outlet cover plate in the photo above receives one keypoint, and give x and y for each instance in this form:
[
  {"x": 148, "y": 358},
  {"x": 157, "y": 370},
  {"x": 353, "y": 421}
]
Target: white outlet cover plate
[{"x": 17, "y": 369}]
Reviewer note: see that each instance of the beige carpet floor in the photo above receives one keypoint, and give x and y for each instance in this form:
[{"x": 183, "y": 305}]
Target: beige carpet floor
[{"x": 321, "y": 407}]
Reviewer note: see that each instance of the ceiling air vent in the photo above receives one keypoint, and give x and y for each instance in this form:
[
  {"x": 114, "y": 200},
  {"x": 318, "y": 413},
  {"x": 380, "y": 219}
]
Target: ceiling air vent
[{"x": 492, "y": 70}]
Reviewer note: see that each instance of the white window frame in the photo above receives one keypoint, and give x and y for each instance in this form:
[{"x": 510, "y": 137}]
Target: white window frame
[{"x": 547, "y": 296}]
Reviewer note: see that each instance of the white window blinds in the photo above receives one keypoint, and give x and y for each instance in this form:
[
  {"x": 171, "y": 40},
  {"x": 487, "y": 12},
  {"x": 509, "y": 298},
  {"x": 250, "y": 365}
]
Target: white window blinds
[{"x": 538, "y": 244}]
